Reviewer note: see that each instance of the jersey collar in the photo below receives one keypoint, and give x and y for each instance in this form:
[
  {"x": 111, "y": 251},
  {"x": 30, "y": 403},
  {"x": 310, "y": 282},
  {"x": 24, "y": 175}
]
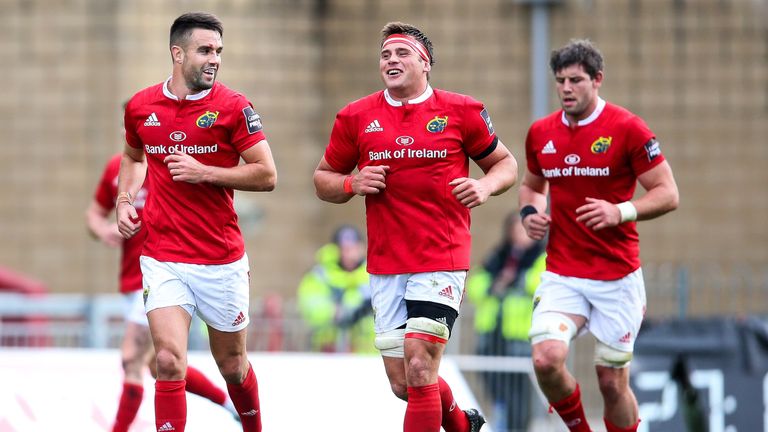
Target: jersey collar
[
  {"x": 424, "y": 96},
  {"x": 196, "y": 96},
  {"x": 592, "y": 117}
]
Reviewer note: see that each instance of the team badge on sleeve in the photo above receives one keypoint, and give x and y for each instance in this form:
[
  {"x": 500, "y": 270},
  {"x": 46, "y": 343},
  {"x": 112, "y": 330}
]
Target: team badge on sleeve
[
  {"x": 207, "y": 120},
  {"x": 487, "y": 118},
  {"x": 437, "y": 124},
  {"x": 652, "y": 149},
  {"x": 252, "y": 120}
]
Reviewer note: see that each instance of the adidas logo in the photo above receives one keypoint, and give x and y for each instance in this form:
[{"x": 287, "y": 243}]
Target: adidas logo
[
  {"x": 239, "y": 320},
  {"x": 447, "y": 292},
  {"x": 442, "y": 320},
  {"x": 549, "y": 148},
  {"x": 166, "y": 427},
  {"x": 152, "y": 120},
  {"x": 374, "y": 127},
  {"x": 626, "y": 338},
  {"x": 250, "y": 413}
]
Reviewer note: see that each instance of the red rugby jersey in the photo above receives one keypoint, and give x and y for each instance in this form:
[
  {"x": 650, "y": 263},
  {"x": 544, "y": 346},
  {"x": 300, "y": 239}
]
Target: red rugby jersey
[
  {"x": 600, "y": 158},
  {"x": 415, "y": 225},
  {"x": 105, "y": 195},
  {"x": 191, "y": 223}
]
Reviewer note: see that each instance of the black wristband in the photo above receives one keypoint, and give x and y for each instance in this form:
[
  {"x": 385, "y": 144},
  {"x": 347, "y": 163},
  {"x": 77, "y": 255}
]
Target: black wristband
[{"x": 527, "y": 211}]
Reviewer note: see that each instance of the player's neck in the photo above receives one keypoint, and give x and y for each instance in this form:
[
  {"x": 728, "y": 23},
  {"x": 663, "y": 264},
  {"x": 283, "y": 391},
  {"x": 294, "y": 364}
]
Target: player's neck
[
  {"x": 404, "y": 95},
  {"x": 178, "y": 87}
]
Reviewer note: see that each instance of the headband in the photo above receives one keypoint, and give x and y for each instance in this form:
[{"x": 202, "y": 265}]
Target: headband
[{"x": 411, "y": 42}]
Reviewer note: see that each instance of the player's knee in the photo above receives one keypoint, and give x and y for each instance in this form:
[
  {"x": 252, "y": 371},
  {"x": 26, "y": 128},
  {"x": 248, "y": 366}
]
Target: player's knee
[
  {"x": 390, "y": 344},
  {"x": 552, "y": 326},
  {"x": 232, "y": 368},
  {"x": 169, "y": 364},
  {"x": 549, "y": 357},
  {"x": 610, "y": 357}
]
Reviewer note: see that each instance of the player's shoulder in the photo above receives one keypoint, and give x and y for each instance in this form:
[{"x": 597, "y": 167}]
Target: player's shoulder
[
  {"x": 446, "y": 97},
  {"x": 366, "y": 103},
  {"x": 146, "y": 95},
  {"x": 549, "y": 121},
  {"x": 619, "y": 113}
]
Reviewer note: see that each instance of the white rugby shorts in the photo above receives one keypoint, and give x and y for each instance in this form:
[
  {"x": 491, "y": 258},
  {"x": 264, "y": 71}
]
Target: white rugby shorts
[
  {"x": 389, "y": 292},
  {"x": 133, "y": 308},
  {"x": 614, "y": 309},
  {"x": 218, "y": 293}
]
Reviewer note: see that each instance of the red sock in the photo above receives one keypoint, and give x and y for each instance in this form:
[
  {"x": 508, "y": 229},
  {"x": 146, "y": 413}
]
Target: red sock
[
  {"x": 610, "y": 427},
  {"x": 170, "y": 406},
  {"x": 572, "y": 412},
  {"x": 245, "y": 397},
  {"x": 130, "y": 401},
  {"x": 199, "y": 384},
  {"x": 454, "y": 419},
  {"x": 424, "y": 411}
]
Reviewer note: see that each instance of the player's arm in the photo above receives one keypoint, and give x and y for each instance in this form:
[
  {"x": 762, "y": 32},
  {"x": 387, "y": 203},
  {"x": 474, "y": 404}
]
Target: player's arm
[
  {"x": 661, "y": 196},
  {"x": 338, "y": 188},
  {"x": 101, "y": 226},
  {"x": 257, "y": 174},
  {"x": 500, "y": 169},
  {"x": 133, "y": 170},
  {"x": 532, "y": 201}
]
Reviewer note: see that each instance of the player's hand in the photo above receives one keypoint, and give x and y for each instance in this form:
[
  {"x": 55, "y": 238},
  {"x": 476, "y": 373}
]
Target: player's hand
[
  {"x": 184, "y": 167},
  {"x": 110, "y": 235},
  {"x": 370, "y": 180},
  {"x": 598, "y": 214},
  {"x": 536, "y": 225},
  {"x": 128, "y": 222},
  {"x": 469, "y": 192}
]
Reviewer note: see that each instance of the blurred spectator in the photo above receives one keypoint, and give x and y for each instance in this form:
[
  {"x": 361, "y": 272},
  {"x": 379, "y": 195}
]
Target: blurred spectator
[
  {"x": 334, "y": 297},
  {"x": 502, "y": 294}
]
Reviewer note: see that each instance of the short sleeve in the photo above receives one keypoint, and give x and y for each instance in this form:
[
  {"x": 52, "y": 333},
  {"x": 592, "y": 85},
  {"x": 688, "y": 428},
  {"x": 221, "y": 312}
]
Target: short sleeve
[
  {"x": 532, "y": 161},
  {"x": 479, "y": 136},
  {"x": 644, "y": 148},
  {"x": 247, "y": 129},
  {"x": 343, "y": 152},
  {"x": 130, "y": 123}
]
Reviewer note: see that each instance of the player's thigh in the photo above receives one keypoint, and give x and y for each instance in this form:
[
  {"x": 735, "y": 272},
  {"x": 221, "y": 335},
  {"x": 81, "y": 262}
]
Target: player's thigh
[
  {"x": 222, "y": 294},
  {"x": 561, "y": 294},
  {"x": 388, "y": 301},
  {"x": 170, "y": 330},
  {"x": 165, "y": 285},
  {"x": 618, "y": 310}
]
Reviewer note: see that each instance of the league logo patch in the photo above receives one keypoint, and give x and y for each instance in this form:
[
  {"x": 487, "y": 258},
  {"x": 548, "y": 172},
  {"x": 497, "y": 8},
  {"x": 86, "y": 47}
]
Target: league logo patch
[
  {"x": 252, "y": 120},
  {"x": 207, "y": 120},
  {"x": 145, "y": 294},
  {"x": 652, "y": 149},
  {"x": 437, "y": 124},
  {"x": 601, "y": 145},
  {"x": 487, "y": 118}
]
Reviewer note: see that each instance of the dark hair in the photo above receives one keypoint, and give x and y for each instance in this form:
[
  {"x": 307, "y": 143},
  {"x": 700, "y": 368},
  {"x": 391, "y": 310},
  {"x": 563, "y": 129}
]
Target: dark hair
[
  {"x": 407, "y": 29},
  {"x": 578, "y": 51},
  {"x": 182, "y": 27}
]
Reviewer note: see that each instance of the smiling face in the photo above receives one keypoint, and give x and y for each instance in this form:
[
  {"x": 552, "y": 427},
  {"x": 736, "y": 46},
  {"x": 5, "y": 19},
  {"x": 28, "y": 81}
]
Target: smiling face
[
  {"x": 403, "y": 71},
  {"x": 200, "y": 59},
  {"x": 577, "y": 91}
]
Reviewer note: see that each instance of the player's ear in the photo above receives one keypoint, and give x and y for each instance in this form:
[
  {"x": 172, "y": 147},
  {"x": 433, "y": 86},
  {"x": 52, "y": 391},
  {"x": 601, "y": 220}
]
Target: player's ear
[
  {"x": 427, "y": 66},
  {"x": 599, "y": 79},
  {"x": 177, "y": 54}
]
